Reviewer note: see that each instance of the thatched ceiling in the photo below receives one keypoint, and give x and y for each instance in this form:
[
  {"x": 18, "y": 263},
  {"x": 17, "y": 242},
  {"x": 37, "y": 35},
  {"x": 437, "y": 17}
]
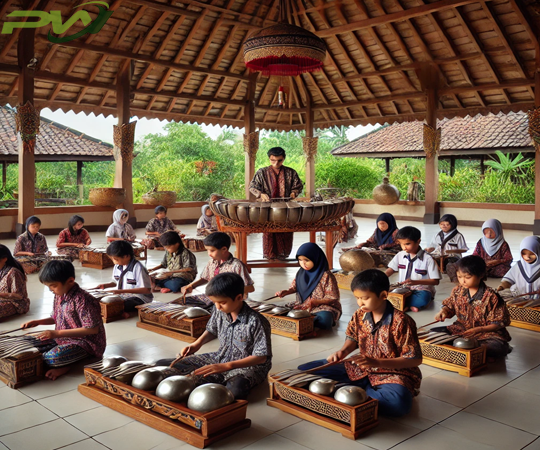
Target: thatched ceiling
[{"x": 187, "y": 60}]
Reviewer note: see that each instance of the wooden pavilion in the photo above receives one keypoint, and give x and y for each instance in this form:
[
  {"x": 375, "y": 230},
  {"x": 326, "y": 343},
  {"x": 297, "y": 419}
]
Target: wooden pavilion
[
  {"x": 54, "y": 143},
  {"x": 387, "y": 61},
  {"x": 473, "y": 138}
]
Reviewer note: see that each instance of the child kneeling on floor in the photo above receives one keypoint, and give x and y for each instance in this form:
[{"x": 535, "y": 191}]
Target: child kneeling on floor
[
  {"x": 389, "y": 351},
  {"x": 244, "y": 357},
  {"x": 481, "y": 313},
  {"x": 79, "y": 332}
]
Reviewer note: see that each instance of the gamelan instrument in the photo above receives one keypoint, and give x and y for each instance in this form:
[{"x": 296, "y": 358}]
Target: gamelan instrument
[
  {"x": 524, "y": 312},
  {"x": 97, "y": 258},
  {"x": 398, "y": 295},
  {"x": 162, "y": 398},
  {"x": 20, "y": 359},
  {"x": 449, "y": 352},
  {"x": 177, "y": 319},
  {"x": 292, "y": 323},
  {"x": 343, "y": 408}
]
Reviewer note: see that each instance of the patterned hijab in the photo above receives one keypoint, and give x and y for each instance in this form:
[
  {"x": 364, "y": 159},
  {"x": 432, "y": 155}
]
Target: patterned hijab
[
  {"x": 307, "y": 280},
  {"x": 385, "y": 237},
  {"x": 492, "y": 246},
  {"x": 530, "y": 271}
]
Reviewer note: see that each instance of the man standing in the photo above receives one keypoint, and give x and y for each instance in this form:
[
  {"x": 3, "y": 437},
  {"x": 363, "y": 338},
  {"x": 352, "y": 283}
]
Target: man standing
[{"x": 275, "y": 181}]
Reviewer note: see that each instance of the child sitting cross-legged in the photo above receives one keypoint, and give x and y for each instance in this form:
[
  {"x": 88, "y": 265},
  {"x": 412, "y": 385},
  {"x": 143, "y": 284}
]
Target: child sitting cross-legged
[
  {"x": 217, "y": 245},
  {"x": 493, "y": 249},
  {"x": 79, "y": 332},
  {"x": 315, "y": 287},
  {"x": 157, "y": 226},
  {"x": 244, "y": 357},
  {"x": 389, "y": 351},
  {"x": 178, "y": 267},
  {"x": 131, "y": 278},
  {"x": 417, "y": 269},
  {"x": 481, "y": 313}
]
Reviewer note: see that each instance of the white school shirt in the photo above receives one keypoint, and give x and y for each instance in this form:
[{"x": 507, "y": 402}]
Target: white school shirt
[
  {"x": 457, "y": 242},
  {"x": 519, "y": 284},
  {"x": 423, "y": 267},
  {"x": 136, "y": 278}
]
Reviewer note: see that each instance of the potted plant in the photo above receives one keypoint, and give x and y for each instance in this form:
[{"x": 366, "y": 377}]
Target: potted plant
[
  {"x": 155, "y": 197},
  {"x": 113, "y": 197}
]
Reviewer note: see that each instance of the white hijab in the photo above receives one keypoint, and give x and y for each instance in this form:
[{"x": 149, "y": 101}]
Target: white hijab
[
  {"x": 492, "y": 246},
  {"x": 531, "y": 243}
]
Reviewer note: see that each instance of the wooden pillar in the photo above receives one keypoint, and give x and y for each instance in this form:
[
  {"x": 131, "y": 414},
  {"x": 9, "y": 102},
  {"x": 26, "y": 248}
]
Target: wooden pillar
[
  {"x": 482, "y": 166},
  {"x": 251, "y": 137},
  {"x": 452, "y": 165},
  {"x": 310, "y": 151},
  {"x": 429, "y": 79},
  {"x": 124, "y": 139},
  {"x": 387, "y": 163},
  {"x": 79, "y": 172},
  {"x": 27, "y": 119},
  {"x": 534, "y": 130},
  {"x": 4, "y": 174}
]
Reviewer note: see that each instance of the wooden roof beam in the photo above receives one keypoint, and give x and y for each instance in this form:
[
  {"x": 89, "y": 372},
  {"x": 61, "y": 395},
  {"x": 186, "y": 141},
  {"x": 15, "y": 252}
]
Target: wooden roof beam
[
  {"x": 133, "y": 56},
  {"x": 400, "y": 16}
]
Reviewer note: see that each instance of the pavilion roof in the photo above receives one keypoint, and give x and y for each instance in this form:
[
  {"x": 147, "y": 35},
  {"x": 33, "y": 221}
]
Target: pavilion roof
[
  {"x": 461, "y": 136},
  {"x": 55, "y": 142},
  {"x": 187, "y": 61}
]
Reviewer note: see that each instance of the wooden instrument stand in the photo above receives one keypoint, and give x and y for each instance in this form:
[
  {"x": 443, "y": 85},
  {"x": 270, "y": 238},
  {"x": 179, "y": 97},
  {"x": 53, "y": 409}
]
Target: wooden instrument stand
[{"x": 447, "y": 357}]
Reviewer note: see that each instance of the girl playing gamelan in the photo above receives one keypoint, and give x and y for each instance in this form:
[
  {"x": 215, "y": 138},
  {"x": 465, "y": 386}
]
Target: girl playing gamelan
[
  {"x": 315, "y": 286},
  {"x": 207, "y": 222},
  {"x": 13, "y": 296},
  {"x": 524, "y": 277},
  {"x": 72, "y": 238},
  {"x": 31, "y": 243},
  {"x": 493, "y": 249},
  {"x": 120, "y": 230}
]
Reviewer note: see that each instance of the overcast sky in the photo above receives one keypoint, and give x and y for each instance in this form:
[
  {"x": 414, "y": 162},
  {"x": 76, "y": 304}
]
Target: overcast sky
[{"x": 102, "y": 127}]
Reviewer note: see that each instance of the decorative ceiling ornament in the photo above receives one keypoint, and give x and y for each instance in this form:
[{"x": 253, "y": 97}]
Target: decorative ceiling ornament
[{"x": 284, "y": 49}]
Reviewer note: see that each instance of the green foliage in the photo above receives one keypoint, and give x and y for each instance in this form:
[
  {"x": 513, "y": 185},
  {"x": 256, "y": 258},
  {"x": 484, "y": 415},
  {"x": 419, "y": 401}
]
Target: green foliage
[
  {"x": 335, "y": 135},
  {"x": 508, "y": 168},
  {"x": 186, "y": 160}
]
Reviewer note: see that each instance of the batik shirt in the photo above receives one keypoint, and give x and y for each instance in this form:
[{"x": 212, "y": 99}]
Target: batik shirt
[
  {"x": 484, "y": 308},
  {"x": 264, "y": 182},
  {"x": 420, "y": 267},
  {"x": 65, "y": 237},
  {"x": 183, "y": 260},
  {"x": 327, "y": 289},
  {"x": 12, "y": 280},
  {"x": 392, "y": 245},
  {"x": 160, "y": 226},
  {"x": 248, "y": 335},
  {"x": 394, "y": 336},
  {"x": 230, "y": 265},
  {"x": 503, "y": 253},
  {"x": 79, "y": 309},
  {"x": 24, "y": 244}
]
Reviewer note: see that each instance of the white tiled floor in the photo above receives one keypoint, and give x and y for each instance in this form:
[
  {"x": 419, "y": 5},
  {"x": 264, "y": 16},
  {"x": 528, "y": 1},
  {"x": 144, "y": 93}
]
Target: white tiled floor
[{"x": 497, "y": 409}]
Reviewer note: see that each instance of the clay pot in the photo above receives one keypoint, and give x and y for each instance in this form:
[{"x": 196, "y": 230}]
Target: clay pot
[
  {"x": 385, "y": 193},
  {"x": 112, "y": 197},
  {"x": 356, "y": 260},
  {"x": 156, "y": 198}
]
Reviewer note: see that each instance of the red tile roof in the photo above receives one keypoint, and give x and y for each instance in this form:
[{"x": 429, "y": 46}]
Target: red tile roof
[
  {"x": 473, "y": 135},
  {"x": 53, "y": 141}
]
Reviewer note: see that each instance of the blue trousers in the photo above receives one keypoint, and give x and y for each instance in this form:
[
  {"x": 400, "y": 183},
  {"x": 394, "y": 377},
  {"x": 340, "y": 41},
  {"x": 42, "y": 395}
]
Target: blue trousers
[
  {"x": 420, "y": 299},
  {"x": 324, "y": 320},
  {"x": 172, "y": 283},
  {"x": 394, "y": 399}
]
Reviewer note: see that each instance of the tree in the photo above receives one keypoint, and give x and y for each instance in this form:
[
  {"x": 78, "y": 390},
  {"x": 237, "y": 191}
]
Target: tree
[
  {"x": 508, "y": 168},
  {"x": 336, "y": 136}
]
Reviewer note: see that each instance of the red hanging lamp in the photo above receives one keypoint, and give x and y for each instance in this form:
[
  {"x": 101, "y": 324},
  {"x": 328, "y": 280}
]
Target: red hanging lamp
[{"x": 284, "y": 49}]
